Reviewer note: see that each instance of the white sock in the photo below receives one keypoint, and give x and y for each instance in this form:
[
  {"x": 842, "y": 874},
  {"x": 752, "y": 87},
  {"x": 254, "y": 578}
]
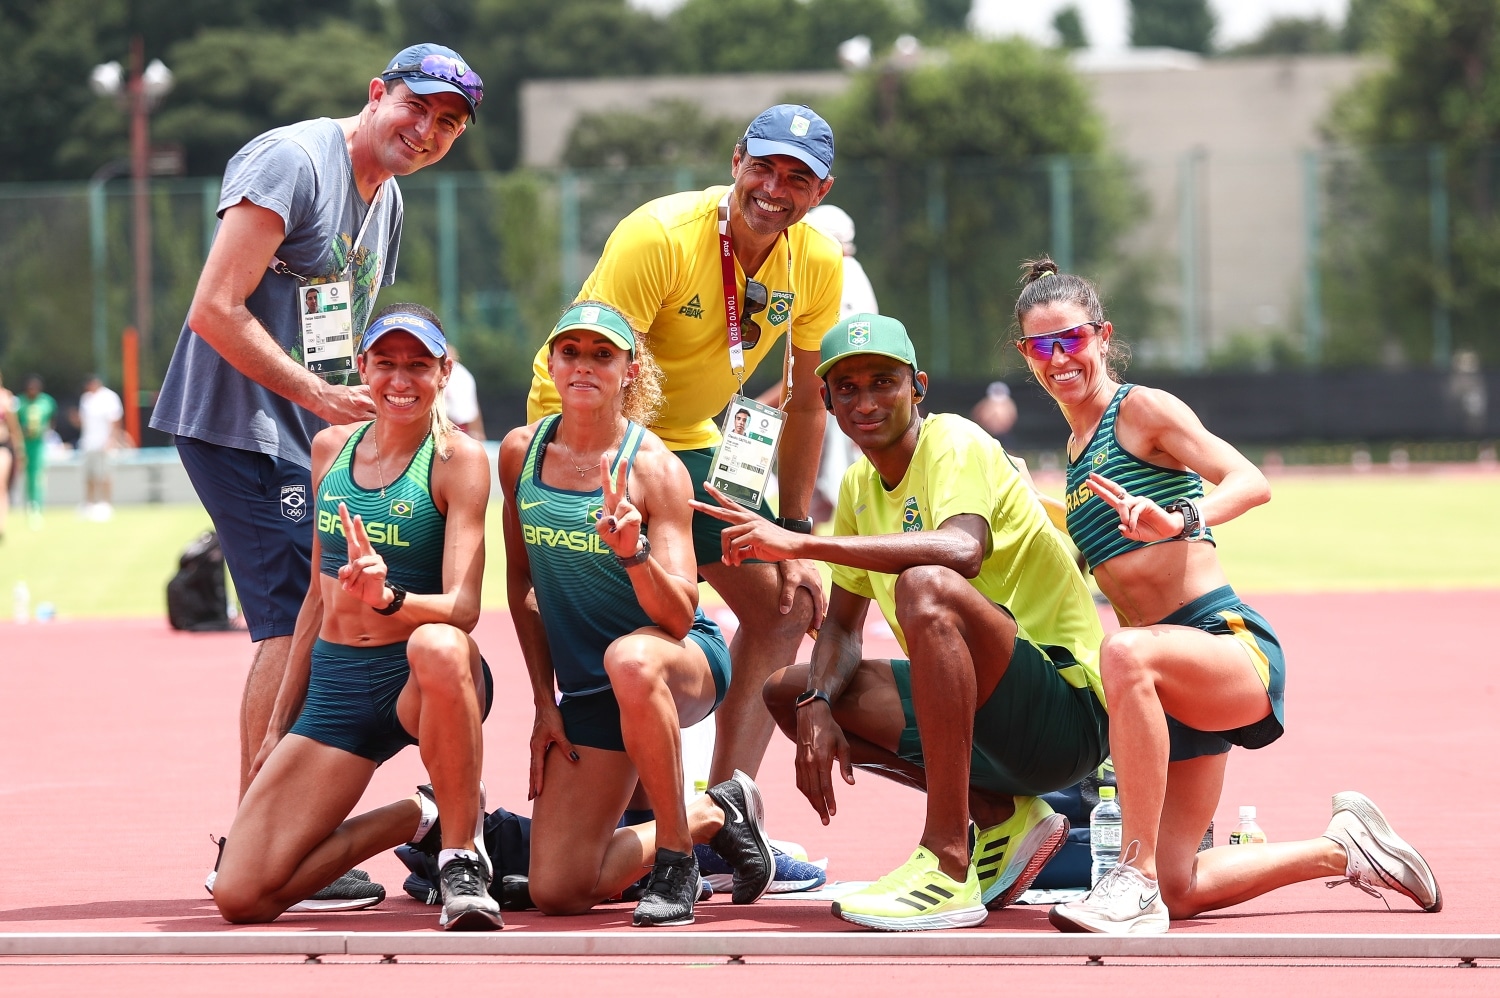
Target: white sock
[
  {"x": 449, "y": 855},
  {"x": 429, "y": 817}
]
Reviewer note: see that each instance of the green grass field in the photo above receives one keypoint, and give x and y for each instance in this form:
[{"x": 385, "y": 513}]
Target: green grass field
[{"x": 1334, "y": 533}]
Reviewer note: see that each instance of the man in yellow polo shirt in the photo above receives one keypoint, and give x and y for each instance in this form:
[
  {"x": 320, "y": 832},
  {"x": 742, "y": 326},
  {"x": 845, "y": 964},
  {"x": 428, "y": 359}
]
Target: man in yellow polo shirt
[
  {"x": 662, "y": 268},
  {"x": 999, "y": 700}
]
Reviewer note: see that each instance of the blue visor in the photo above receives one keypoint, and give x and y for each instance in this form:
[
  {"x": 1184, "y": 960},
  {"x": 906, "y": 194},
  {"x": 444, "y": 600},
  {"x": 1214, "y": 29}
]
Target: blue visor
[{"x": 431, "y": 336}]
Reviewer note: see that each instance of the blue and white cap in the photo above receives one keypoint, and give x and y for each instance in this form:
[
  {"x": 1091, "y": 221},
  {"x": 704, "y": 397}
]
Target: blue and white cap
[{"x": 792, "y": 130}]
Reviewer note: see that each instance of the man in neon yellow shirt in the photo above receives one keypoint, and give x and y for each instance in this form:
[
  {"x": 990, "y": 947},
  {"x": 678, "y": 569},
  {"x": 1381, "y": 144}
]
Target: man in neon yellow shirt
[
  {"x": 1000, "y": 699},
  {"x": 662, "y": 268}
]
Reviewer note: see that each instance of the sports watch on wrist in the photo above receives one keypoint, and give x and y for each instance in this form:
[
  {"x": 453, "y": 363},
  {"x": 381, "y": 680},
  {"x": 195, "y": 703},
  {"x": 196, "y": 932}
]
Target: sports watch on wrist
[
  {"x": 808, "y": 696},
  {"x": 796, "y": 526},
  {"x": 1192, "y": 519},
  {"x": 397, "y": 599},
  {"x": 640, "y": 557}
]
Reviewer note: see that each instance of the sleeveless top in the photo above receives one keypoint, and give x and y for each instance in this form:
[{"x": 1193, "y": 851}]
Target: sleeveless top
[
  {"x": 403, "y": 525},
  {"x": 584, "y": 595},
  {"x": 1092, "y": 523}
]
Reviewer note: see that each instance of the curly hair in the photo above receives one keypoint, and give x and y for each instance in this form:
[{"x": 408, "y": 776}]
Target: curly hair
[{"x": 642, "y": 398}]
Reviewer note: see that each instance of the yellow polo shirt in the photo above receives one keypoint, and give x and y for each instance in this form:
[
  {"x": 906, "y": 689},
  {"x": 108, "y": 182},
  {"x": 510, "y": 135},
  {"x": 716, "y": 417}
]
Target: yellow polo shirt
[
  {"x": 661, "y": 268},
  {"x": 959, "y": 468}
]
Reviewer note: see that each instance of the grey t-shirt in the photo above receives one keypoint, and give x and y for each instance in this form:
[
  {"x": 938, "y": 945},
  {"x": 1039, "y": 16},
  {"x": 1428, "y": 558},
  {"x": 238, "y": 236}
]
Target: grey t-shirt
[{"x": 303, "y": 173}]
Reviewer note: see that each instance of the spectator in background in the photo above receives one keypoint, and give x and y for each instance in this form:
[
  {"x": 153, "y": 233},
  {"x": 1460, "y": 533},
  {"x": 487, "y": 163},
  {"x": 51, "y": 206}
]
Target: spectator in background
[
  {"x": 996, "y": 412},
  {"x": 461, "y": 399},
  {"x": 838, "y": 450},
  {"x": 99, "y": 414},
  {"x": 35, "y": 412},
  {"x": 10, "y": 459}
]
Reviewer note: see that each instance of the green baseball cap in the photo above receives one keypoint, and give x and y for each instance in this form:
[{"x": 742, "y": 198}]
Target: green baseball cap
[
  {"x": 600, "y": 319},
  {"x": 866, "y": 332}
]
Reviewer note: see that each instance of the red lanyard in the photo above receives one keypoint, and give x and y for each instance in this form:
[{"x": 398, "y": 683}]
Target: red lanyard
[{"x": 732, "y": 304}]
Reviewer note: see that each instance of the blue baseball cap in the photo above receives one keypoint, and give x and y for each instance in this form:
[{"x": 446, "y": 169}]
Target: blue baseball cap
[
  {"x": 431, "y": 336},
  {"x": 429, "y": 68},
  {"x": 792, "y": 130}
]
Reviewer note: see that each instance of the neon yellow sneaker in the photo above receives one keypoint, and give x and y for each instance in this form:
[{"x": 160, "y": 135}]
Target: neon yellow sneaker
[
  {"x": 1009, "y": 856},
  {"x": 916, "y": 895}
]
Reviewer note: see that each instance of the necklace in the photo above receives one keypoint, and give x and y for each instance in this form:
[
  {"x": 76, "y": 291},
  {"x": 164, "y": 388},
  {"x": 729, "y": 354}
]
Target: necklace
[
  {"x": 584, "y": 471},
  {"x": 379, "y": 466}
]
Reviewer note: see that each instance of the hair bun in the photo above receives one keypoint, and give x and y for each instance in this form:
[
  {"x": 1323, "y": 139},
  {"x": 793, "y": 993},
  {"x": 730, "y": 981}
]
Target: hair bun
[{"x": 1034, "y": 270}]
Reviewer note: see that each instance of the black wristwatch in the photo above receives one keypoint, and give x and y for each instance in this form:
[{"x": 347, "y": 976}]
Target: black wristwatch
[
  {"x": 808, "y": 696},
  {"x": 1192, "y": 520},
  {"x": 396, "y": 600},
  {"x": 640, "y": 557},
  {"x": 794, "y": 525}
]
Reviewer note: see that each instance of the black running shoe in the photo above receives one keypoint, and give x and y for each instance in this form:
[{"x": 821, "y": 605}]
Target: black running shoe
[
  {"x": 467, "y": 905},
  {"x": 348, "y": 893},
  {"x": 673, "y": 886},
  {"x": 742, "y": 841}
]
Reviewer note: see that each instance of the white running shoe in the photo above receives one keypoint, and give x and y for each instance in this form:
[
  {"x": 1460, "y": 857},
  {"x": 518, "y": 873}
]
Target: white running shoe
[
  {"x": 1379, "y": 859},
  {"x": 1124, "y": 902}
]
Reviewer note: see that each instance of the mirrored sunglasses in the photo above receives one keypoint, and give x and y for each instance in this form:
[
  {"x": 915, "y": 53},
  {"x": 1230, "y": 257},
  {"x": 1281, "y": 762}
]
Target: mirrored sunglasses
[
  {"x": 1071, "y": 340},
  {"x": 756, "y": 300},
  {"x": 448, "y": 70}
]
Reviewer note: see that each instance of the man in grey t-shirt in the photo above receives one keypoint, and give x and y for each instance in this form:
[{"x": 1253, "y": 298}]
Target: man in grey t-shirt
[{"x": 314, "y": 203}]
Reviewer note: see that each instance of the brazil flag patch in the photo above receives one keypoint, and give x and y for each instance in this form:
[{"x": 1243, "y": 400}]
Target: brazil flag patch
[
  {"x": 911, "y": 516},
  {"x": 401, "y": 508},
  {"x": 780, "y": 308}
]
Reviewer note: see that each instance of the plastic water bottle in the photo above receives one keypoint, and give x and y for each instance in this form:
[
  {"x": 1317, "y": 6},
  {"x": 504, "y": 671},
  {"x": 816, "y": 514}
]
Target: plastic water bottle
[
  {"x": 1104, "y": 834},
  {"x": 1247, "y": 832},
  {"x": 21, "y": 603}
]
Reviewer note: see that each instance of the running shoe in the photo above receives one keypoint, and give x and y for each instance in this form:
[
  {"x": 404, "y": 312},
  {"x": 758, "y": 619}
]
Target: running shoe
[
  {"x": 467, "y": 905},
  {"x": 742, "y": 841},
  {"x": 916, "y": 895},
  {"x": 793, "y": 873},
  {"x": 670, "y": 891},
  {"x": 1010, "y": 855},
  {"x": 1124, "y": 902},
  {"x": 1379, "y": 859},
  {"x": 637, "y": 890},
  {"x": 351, "y": 892}
]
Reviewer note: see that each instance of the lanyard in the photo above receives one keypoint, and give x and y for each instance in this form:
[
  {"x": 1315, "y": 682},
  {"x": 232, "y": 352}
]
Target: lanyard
[
  {"x": 279, "y": 266},
  {"x": 732, "y": 305}
]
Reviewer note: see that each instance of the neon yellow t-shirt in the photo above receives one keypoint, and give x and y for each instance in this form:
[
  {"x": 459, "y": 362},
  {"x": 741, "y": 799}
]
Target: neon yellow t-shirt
[
  {"x": 661, "y": 268},
  {"x": 959, "y": 468}
]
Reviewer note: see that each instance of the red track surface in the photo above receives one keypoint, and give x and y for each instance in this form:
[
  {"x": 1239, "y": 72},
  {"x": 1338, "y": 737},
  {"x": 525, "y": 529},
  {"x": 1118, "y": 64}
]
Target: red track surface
[{"x": 119, "y": 751}]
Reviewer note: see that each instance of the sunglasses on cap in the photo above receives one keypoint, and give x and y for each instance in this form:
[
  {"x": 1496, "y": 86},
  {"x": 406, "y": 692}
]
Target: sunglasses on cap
[
  {"x": 445, "y": 69},
  {"x": 756, "y": 299},
  {"x": 1071, "y": 340}
]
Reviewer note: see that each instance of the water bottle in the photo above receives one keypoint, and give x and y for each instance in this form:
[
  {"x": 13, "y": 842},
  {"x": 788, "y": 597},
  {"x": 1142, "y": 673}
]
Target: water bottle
[
  {"x": 1247, "y": 832},
  {"x": 21, "y": 603},
  {"x": 1104, "y": 834}
]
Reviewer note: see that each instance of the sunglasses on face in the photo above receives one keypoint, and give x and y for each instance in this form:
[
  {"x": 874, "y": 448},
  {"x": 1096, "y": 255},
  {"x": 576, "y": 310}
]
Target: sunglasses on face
[
  {"x": 446, "y": 69},
  {"x": 1071, "y": 340},
  {"x": 756, "y": 299}
]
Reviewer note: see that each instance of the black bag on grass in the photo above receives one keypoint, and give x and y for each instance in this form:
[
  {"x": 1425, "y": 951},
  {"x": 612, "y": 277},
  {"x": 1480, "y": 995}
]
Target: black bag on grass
[{"x": 196, "y": 599}]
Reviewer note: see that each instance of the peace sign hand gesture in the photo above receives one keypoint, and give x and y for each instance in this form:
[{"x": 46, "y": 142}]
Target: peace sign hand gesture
[
  {"x": 364, "y": 576},
  {"x": 620, "y": 524},
  {"x": 1140, "y": 518}
]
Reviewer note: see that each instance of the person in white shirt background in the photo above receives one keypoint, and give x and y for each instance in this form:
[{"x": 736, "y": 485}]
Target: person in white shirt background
[
  {"x": 461, "y": 399},
  {"x": 838, "y": 450},
  {"x": 99, "y": 414}
]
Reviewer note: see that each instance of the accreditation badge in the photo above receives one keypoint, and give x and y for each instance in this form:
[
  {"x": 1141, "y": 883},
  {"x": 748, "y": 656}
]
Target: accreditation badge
[
  {"x": 742, "y": 464},
  {"x": 327, "y": 328}
]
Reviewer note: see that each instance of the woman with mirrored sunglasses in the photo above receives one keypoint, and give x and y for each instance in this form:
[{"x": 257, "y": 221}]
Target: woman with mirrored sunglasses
[{"x": 1192, "y": 670}]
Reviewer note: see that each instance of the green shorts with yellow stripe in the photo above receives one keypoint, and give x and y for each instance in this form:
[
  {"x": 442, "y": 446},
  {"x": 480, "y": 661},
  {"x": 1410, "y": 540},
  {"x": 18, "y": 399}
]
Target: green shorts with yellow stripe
[{"x": 1221, "y": 612}]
